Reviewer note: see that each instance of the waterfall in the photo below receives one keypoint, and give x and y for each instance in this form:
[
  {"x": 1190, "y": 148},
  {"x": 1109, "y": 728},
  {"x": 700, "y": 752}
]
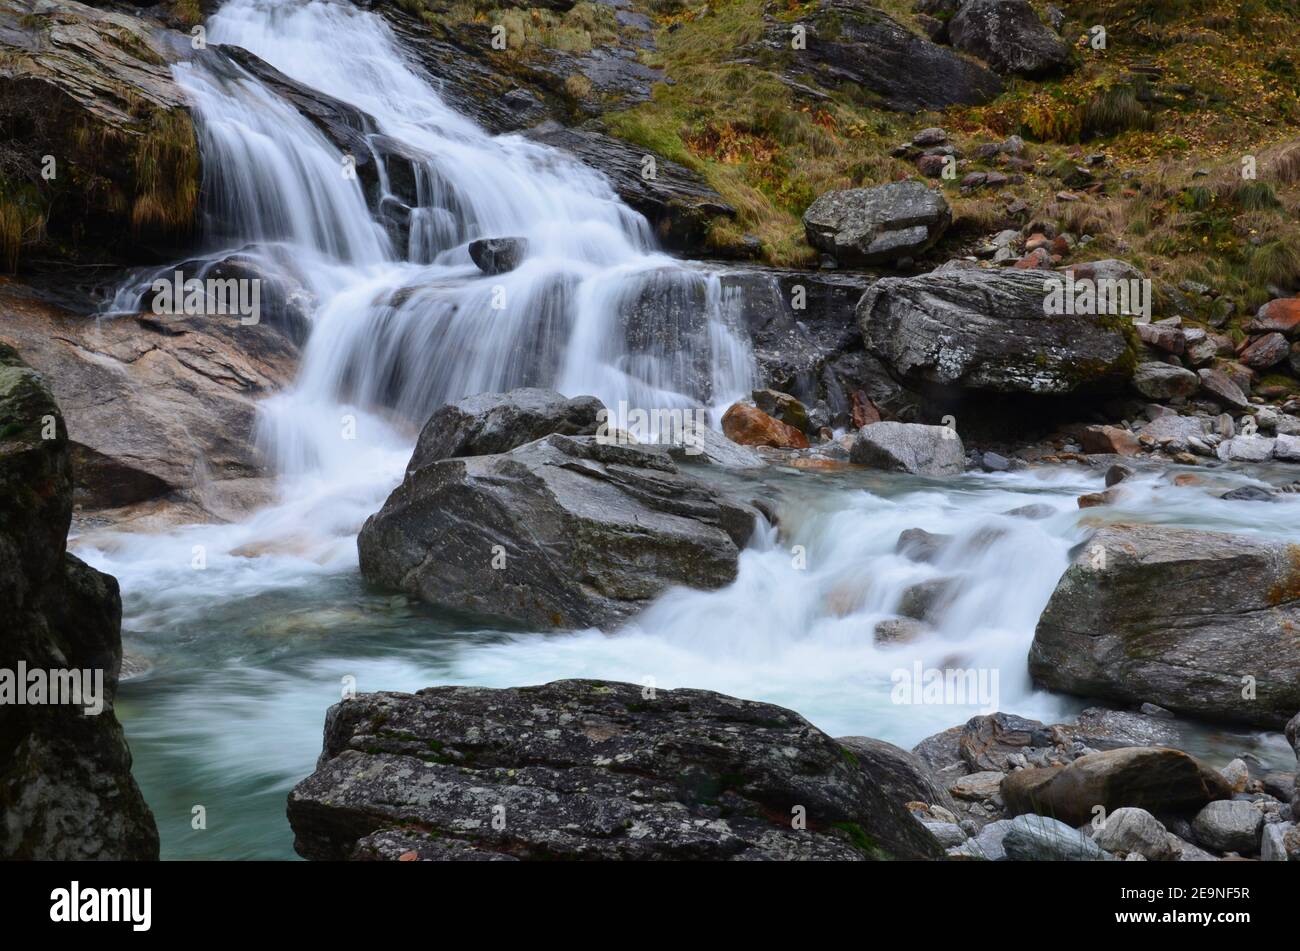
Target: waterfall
[{"x": 404, "y": 320}]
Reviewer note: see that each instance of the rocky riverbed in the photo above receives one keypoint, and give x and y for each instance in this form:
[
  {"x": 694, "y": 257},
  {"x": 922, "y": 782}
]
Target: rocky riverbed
[{"x": 604, "y": 506}]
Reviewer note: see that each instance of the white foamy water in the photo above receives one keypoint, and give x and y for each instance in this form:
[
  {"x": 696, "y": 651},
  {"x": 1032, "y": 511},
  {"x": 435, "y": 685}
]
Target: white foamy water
[{"x": 252, "y": 647}]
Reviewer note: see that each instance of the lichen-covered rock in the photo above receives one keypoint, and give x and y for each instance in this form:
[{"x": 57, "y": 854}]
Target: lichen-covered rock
[
  {"x": 991, "y": 330},
  {"x": 585, "y": 769},
  {"x": 1229, "y": 826},
  {"x": 1008, "y": 35},
  {"x": 1129, "y": 829},
  {"x": 1163, "y": 381},
  {"x": 851, "y": 44},
  {"x": 563, "y": 532},
  {"x": 66, "y": 790},
  {"x": 1198, "y": 622},
  {"x": 879, "y": 225}
]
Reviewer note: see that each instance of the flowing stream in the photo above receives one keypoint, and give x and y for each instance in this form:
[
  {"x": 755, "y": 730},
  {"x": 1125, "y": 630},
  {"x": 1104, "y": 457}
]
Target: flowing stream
[{"x": 247, "y": 653}]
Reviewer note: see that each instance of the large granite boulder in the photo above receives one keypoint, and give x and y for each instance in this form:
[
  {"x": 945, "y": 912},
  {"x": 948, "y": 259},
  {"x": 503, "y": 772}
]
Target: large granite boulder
[
  {"x": 66, "y": 791},
  {"x": 1152, "y": 778},
  {"x": 878, "y": 225},
  {"x": 853, "y": 46},
  {"x": 498, "y": 422},
  {"x": 910, "y": 447},
  {"x": 990, "y": 330},
  {"x": 586, "y": 769},
  {"x": 1198, "y": 622},
  {"x": 1008, "y": 35},
  {"x": 563, "y": 532}
]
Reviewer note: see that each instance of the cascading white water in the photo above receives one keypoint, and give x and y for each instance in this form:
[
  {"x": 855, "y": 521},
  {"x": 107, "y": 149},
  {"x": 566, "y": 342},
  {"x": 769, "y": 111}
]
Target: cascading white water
[
  {"x": 251, "y": 649},
  {"x": 418, "y": 326}
]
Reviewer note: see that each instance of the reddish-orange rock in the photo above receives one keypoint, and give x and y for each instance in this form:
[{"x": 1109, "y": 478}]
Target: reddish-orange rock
[
  {"x": 864, "y": 411},
  {"x": 1278, "y": 316},
  {"x": 750, "y": 426},
  {"x": 1108, "y": 439}
]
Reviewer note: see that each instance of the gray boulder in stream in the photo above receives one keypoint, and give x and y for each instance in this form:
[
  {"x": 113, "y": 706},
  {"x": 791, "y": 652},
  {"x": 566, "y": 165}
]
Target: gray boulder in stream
[
  {"x": 589, "y": 769},
  {"x": 991, "y": 331},
  {"x": 498, "y": 422},
  {"x": 910, "y": 447},
  {"x": 1203, "y": 623},
  {"x": 562, "y": 532}
]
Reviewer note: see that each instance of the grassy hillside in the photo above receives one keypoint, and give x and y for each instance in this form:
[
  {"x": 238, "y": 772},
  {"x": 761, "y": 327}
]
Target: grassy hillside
[{"x": 1182, "y": 93}]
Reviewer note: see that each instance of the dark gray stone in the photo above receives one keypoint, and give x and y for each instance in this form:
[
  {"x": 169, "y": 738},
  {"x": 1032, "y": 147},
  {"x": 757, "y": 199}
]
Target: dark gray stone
[{"x": 585, "y": 769}]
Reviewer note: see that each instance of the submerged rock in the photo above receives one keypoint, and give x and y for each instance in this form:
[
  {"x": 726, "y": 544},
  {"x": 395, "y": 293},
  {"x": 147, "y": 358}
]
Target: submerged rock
[
  {"x": 879, "y": 225},
  {"x": 585, "y": 769},
  {"x": 563, "y": 532},
  {"x": 1198, "y": 622},
  {"x": 989, "y": 330},
  {"x": 498, "y": 255},
  {"x": 65, "y": 773}
]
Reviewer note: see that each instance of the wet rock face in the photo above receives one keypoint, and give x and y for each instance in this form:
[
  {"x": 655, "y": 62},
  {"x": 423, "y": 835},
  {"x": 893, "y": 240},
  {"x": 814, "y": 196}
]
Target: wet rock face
[
  {"x": 498, "y": 422},
  {"x": 1008, "y": 35},
  {"x": 880, "y": 225},
  {"x": 94, "y": 89},
  {"x": 66, "y": 790},
  {"x": 989, "y": 330},
  {"x": 1198, "y": 622},
  {"x": 563, "y": 532},
  {"x": 678, "y": 203},
  {"x": 196, "y": 379},
  {"x": 583, "y": 769},
  {"x": 851, "y": 44},
  {"x": 498, "y": 255}
]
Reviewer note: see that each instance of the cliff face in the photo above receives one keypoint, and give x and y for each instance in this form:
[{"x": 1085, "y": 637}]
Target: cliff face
[{"x": 66, "y": 790}]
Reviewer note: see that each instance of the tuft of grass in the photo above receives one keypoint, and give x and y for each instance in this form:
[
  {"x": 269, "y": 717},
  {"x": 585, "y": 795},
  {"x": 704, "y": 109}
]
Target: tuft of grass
[
  {"x": 1113, "y": 111},
  {"x": 166, "y": 171}
]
